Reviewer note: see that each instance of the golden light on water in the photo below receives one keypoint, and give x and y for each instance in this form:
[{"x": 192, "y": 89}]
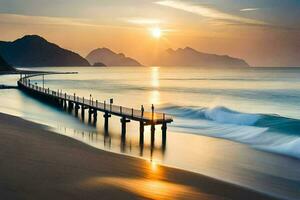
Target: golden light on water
[
  {"x": 154, "y": 97},
  {"x": 155, "y": 77},
  {"x": 147, "y": 188},
  {"x": 153, "y": 186},
  {"x": 154, "y": 166}
]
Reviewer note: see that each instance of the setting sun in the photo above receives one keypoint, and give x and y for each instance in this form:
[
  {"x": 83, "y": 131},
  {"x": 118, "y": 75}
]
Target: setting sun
[{"x": 156, "y": 32}]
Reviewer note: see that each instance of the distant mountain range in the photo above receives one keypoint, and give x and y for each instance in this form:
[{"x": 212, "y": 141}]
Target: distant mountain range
[
  {"x": 35, "y": 51},
  {"x": 110, "y": 58},
  {"x": 4, "y": 66},
  {"x": 191, "y": 57}
]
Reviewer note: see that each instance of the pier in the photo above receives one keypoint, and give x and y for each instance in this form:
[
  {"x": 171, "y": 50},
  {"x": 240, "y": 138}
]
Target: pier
[
  {"x": 3, "y": 87},
  {"x": 70, "y": 102}
]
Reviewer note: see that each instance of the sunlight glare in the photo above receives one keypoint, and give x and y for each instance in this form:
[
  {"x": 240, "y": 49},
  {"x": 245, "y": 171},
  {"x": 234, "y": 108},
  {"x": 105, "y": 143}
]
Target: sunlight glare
[
  {"x": 156, "y": 32},
  {"x": 147, "y": 188}
]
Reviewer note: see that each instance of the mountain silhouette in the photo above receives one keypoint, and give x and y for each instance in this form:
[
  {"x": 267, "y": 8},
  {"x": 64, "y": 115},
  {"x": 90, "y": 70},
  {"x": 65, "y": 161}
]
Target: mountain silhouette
[
  {"x": 35, "y": 51},
  {"x": 191, "y": 57},
  {"x": 110, "y": 58},
  {"x": 99, "y": 64},
  {"x": 4, "y": 66}
]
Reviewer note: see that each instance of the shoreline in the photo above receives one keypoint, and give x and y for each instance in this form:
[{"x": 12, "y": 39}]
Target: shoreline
[{"x": 38, "y": 163}]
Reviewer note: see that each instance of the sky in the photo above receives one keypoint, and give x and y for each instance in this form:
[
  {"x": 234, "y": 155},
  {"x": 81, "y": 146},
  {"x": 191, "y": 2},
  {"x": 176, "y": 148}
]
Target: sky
[{"x": 263, "y": 32}]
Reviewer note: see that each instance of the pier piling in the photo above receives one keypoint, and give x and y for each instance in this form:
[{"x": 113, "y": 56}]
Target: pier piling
[
  {"x": 164, "y": 133},
  {"x": 77, "y": 107},
  {"x": 95, "y": 116},
  {"x": 90, "y": 114},
  {"x": 152, "y": 134},
  {"x": 82, "y": 111},
  {"x": 123, "y": 125},
  {"x": 106, "y": 117},
  {"x": 142, "y": 130}
]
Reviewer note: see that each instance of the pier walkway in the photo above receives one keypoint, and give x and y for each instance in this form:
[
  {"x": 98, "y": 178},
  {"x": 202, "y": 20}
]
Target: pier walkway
[{"x": 76, "y": 103}]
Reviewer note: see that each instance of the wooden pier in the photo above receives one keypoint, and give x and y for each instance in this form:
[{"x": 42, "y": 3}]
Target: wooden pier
[{"x": 76, "y": 103}]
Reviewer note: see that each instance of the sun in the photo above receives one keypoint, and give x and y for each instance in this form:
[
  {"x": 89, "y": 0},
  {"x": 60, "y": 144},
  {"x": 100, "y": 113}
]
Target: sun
[{"x": 156, "y": 32}]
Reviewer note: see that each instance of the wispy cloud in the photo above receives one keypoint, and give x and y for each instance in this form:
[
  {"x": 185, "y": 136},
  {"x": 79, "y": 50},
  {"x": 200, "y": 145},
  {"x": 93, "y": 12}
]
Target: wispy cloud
[
  {"x": 143, "y": 21},
  {"x": 208, "y": 12},
  {"x": 41, "y": 20},
  {"x": 249, "y": 9}
]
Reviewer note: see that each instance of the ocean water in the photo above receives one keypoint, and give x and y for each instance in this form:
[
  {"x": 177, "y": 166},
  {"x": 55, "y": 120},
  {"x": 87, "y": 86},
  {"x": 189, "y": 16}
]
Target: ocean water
[{"x": 240, "y": 125}]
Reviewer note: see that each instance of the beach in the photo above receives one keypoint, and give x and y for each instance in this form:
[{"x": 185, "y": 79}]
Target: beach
[{"x": 39, "y": 164}]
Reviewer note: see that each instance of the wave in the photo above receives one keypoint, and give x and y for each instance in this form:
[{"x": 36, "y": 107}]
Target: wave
[
  {"x": 267, "y": 132},
  {"x": 218, "y": 114}
]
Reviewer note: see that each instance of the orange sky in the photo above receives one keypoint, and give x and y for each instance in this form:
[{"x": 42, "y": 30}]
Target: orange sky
[{"x": 260, "y": 37}]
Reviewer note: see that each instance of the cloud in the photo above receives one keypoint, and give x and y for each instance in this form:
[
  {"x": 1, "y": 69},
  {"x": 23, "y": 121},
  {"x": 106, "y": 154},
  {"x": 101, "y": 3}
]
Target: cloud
[
  {"x": 16, "y": 19},
  {"x": 208, "y": 12},
  {"x": 249, "y": 9},
  {"x": 41, "y": 20},
  {"x": 143, "y": 21}
]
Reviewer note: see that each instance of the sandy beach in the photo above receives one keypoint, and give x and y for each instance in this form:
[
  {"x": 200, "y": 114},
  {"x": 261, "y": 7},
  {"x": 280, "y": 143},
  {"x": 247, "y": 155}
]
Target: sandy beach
[{"x": 38, "y": 164}]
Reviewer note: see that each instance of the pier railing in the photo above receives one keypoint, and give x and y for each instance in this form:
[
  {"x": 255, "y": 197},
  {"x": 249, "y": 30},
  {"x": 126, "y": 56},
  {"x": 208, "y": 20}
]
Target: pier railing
[{"x": 148, "y": 118}]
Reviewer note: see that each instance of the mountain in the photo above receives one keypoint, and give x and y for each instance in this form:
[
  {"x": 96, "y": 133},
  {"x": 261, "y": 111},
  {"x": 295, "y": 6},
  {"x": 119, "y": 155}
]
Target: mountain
[
  {"x": 35, "y": 51},
  {"x": 110, "y": 58},
  {"x": 4, "y": 66},
  {"x": 99, "y": 64},
  {"x": 191, "y": 57}
]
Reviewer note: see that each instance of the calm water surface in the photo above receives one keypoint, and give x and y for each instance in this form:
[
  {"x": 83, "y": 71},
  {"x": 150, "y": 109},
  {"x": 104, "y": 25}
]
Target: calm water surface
[{"x": 237, "y": 125}]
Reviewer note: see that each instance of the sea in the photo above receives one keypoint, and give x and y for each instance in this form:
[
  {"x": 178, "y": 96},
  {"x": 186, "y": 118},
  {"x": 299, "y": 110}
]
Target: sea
[{"x": 238, "y": 125}]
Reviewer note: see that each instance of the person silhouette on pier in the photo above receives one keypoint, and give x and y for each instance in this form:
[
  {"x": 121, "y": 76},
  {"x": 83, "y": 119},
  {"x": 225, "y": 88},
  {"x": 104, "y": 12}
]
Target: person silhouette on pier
[
  {"x": 152, "y": 109},
  {"x": 142, "y": 110}
]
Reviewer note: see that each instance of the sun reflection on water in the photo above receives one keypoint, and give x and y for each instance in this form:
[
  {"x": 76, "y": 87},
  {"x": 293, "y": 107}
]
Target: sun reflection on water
[
  {"x": 152, "y": 186},
  {"x": 147, "y": 188},
  {"x": 154, "y": 97},
  {"x": 154, "y": 166},
  {"x": 155, "y": 77}
]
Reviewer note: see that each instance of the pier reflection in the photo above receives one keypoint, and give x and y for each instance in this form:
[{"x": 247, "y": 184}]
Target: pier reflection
[
  {"x": 116, "y": 142},
  {"x": 107, "y": 140}
]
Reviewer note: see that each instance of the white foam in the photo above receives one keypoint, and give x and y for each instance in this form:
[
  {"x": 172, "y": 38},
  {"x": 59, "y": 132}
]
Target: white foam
[
  {"x": 224, "y": 115},
  {"x": 291, "y": 148}
]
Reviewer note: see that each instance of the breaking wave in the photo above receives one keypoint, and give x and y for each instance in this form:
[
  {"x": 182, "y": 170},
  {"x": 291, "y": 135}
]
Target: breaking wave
[{"x": 267, "y": 132}]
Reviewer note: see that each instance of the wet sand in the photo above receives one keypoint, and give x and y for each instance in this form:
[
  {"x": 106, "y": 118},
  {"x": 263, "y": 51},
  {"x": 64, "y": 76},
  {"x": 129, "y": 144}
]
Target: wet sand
[{"x": 38, "y": 164}]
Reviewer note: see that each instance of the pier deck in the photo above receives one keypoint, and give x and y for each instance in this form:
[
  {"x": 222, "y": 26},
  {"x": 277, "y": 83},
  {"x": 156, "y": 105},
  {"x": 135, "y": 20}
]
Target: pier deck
[{"x": 80, "y": 103}]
